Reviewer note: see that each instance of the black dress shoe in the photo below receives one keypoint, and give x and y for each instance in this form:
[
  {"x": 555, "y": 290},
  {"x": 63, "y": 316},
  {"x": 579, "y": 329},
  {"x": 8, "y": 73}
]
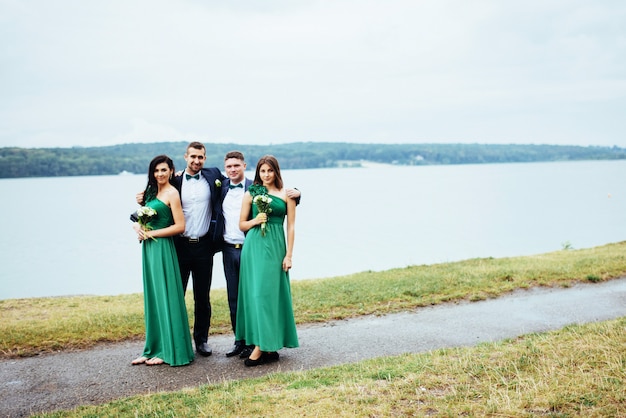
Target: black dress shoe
[
  {"x": 247, "y": 350},
  {"x": 270, "y": 356},
  {"x": 237, "y": 349},
  {"x": 203, "y": 349},
  {"x": 251, "y": 363}
]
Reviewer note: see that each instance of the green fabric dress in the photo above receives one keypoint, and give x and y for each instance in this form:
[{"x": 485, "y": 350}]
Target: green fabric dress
[
  {"x": 264, "y": 310},
  {"x": 167, "y": 327}
]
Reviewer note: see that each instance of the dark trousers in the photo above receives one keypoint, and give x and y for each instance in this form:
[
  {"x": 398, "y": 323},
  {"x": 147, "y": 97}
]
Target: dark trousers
[
  {"x": 231, "y": 258},
  {"x": 197, "y": 259}
]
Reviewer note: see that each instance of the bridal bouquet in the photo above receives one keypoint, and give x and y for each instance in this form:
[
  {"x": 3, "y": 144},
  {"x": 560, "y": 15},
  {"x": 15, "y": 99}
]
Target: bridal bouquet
[
  {"x": 262, "y": 201},
  {"x": 144, "y": 216}
]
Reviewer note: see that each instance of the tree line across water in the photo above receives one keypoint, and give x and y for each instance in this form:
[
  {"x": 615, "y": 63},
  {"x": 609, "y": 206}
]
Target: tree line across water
[{"x": 134, "y": 158}]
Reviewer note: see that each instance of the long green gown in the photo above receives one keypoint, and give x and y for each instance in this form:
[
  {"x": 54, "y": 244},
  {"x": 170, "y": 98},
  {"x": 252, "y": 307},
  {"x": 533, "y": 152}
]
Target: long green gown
[
  {"x": 264, "y": 310},
  {"x": 167, "y": 326}
]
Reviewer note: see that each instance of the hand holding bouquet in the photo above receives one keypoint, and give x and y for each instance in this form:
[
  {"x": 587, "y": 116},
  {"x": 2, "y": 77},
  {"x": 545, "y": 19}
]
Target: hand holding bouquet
[
  {"x": 144, "y": 215},
  {"x": 262, "y": 201}
]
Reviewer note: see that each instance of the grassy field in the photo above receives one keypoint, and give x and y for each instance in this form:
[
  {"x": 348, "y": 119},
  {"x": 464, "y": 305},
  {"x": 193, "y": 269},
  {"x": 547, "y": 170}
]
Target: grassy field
[
  {"x": 579, "y": 371},
  {"x": 32, "y": 326}
]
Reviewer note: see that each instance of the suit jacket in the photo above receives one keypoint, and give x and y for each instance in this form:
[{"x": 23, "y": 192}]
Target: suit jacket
[{"x": 215, "y": 178}]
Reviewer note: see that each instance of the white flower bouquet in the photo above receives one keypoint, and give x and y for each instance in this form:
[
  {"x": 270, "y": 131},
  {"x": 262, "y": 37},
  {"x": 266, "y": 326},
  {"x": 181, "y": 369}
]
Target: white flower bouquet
[
  {"x": 144, "y": 215},
  {"x": 262, "y": 201}
]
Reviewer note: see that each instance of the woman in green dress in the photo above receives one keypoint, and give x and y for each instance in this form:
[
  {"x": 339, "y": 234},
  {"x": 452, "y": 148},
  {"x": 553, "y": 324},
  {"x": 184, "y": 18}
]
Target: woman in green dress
[
  {"x": 264, "y": 310},
  {"x": 168, "y": 339}
]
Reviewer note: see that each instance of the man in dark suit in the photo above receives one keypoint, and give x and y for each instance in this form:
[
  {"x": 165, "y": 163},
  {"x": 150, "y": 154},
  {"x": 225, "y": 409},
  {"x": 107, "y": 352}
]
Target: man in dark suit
[
  {"x": 232, "y": 196},
  {"x": 233, "y": 190},
  {"x": 200, "y": 192}
]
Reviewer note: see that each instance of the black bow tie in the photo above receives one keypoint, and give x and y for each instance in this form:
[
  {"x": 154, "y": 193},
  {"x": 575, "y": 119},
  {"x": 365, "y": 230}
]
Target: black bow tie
[
  {"x": 234, "y": 186},
  {"x": 189, "y": 176}
]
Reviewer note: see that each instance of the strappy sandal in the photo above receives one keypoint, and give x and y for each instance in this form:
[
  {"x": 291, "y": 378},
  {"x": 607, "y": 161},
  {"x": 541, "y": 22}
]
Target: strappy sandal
[
  {"x": 154, "y": 361},
  {"x": 139, "y": 360}
]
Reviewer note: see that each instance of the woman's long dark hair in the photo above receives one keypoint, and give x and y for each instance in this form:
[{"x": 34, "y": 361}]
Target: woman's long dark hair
[
  {"x": 152, "y": 188},
  {"x": 273, "y": 163}
]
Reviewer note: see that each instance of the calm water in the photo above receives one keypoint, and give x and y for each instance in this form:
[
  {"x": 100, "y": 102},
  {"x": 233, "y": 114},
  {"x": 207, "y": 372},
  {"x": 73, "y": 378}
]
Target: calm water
[{"x": 71, "y": 235}]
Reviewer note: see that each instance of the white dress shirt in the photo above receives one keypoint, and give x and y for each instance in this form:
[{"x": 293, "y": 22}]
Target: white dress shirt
[
  {"x": 196, "y": 201},
  {"x": 231, "y": 207}
]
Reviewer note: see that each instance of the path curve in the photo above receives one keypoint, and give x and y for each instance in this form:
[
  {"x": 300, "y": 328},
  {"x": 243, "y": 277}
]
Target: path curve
[{"x": 67, "y": 379}]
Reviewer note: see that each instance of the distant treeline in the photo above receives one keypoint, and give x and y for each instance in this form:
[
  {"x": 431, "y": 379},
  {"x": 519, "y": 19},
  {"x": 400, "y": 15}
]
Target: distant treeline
[{"x": 134, "y": 158}]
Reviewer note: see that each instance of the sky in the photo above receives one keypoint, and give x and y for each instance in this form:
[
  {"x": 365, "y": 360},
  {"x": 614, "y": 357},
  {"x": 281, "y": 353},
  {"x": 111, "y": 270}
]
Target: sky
[{"x": 96, "y": 73}]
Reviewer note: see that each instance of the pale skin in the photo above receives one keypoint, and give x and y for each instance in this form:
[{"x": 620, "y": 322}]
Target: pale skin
[
  {"x": 268, "y": 176},
  {"x": 195, "y": 159},
  {"x": 168, "y": 195},
  {"x": 235, "y": 170}
]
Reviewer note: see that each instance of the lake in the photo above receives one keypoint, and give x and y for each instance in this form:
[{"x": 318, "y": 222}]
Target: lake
[{"x": 72, "y": 235}]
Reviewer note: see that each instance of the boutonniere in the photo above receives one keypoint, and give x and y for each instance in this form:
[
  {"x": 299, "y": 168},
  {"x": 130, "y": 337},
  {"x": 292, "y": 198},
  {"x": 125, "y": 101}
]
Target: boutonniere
[{"x": 218, "y": 183}]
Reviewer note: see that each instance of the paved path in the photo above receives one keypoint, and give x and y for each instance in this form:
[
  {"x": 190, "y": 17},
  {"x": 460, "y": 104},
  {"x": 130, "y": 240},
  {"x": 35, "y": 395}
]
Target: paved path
[{"x": 68, "y": 379}]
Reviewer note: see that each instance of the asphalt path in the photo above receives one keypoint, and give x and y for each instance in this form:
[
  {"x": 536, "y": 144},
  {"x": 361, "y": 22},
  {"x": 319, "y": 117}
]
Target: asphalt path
[{"x": 67, "y": 379}]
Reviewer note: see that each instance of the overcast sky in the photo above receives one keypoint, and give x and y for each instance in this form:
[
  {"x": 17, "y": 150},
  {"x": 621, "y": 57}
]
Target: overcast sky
[{"x": 94, "y": 73}]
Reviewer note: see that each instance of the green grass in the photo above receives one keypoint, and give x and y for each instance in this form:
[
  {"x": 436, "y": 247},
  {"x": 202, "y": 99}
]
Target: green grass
[
  {"x": 32, "y": 326},
  {"x": 579, "y": 371}
]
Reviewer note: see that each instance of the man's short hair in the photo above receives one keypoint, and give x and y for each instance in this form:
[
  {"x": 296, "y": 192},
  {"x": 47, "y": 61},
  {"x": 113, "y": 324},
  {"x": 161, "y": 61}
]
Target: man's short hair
[
  {"x": 234, "y": 154},
  {"x": 196, "y": 145}
]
